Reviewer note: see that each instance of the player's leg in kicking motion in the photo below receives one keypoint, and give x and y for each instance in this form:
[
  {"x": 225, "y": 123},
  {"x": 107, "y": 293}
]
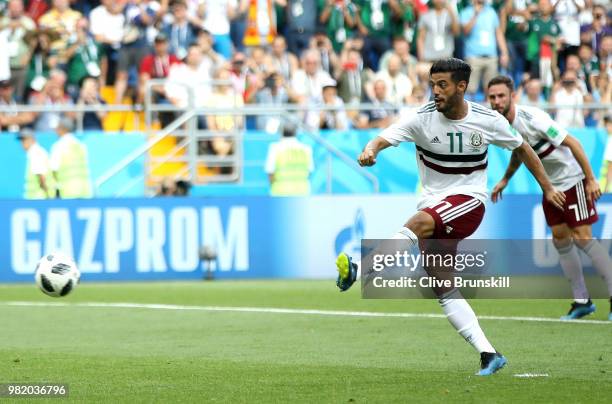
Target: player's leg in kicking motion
[
  {"x": 572, "y": 268},
  {"x": 458, "y": 311},
  {"x": 583, "y": 238}
]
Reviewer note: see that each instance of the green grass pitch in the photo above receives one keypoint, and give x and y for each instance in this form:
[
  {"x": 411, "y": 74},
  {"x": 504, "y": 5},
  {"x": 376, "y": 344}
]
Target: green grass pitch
[{"x": 113, "y": 354}]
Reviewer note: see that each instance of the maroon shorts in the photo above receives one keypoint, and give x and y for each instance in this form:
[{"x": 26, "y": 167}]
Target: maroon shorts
[
  {"x": 577, "y": 211},
  {"x": 456, "y": 217}
]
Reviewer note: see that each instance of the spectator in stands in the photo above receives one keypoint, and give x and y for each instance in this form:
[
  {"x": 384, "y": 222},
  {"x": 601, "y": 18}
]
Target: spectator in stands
[
  {"x": 224, "y": 95},
  {"x": 17, "y": 25},
  {"x": 273, "y": 92},
  {"x": 84, "y": 57},
  {"x": 238, "y": 24},
  {"x": 70, "y": 163},
  {"x": 223, "y": 124},
  {"x": 518, "y": 14},
  {"x": 258, "y": 63},
  {"x": 374, "y": 24},
  {"x": 211, "y": 60},
  {"x": 157, "y": 65},
  {"x": 38, "y": 182},
  {"x": 52, "y": 94},
  {"x": 543, "y": 41},
  {"x": 288, "y": 164},
  {"x": 140, "y": 16},
  {"x": 401, "y": 48},
  {"x": 602, "y": 93},
  {"x": 438, "y": 28},
  {"x": 418, "y": 97},
  {"x": 302, "y": 20},
  {"x": 281, "y": 60},
  {"x": 217, "y": 15},
  {"x": 404, "y": 19},
  {"x": 192, "y": 76},
  {"x": 63, "y": 20},
  {"x": 594, "y": 32},
  {"x": 483, "y": 39},
  {"x": 323, "y": 45},
  {"x": 567, "y": 14},
  {"x": 568, "y": 92},
  {"x": 10, "y": 119},
  {"x": 353, "y": 78},
  {"x": 245, "y": 82},
  {"x": 335, "y": 118},
  {"x": 107, "y": 23},
  {"x": 589, "y": 65},
  {"x": 398, "y": 84},
  {"x": 384, "y": 113},
  {"x": 530, "y": 92},
  {"x": 5, "y": 60},
  {"x": 43, "y": 59},
  {"x": 339, "y": 19},
  {"x": 307, "y": 82},
  {"x": 573, "y": 63},
  {"x": 605, "y": 55},
  {"x": 90, "y": 96},
  {"x": 180, "y": 32}
]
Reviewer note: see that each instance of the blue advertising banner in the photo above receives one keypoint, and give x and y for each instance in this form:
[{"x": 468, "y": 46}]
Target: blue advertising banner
[{"x": 254, "y": 237}]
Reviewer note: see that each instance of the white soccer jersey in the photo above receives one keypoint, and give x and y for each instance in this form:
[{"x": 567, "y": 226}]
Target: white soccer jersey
[
  {"x": 452, "y": 154},
  {"x": 545, "y": 136}
]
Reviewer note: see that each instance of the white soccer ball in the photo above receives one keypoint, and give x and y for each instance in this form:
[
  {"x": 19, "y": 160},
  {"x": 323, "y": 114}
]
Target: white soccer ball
[{"x": 57, "y": 274}]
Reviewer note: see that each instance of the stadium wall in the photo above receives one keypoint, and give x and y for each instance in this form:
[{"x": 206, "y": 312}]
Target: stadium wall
[{"x": 255, "y": 237}]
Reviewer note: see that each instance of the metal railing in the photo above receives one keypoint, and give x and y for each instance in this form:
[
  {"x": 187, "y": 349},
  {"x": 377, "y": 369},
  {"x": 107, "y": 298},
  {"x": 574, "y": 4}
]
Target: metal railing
[{"x": 185, "y": 126}]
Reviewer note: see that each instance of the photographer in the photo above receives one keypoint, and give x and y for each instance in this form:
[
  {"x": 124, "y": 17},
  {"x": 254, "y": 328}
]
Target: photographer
[{"x": 568, "y": 93}]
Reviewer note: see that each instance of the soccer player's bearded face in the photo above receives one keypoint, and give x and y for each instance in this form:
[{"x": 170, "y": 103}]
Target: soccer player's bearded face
[
  {"x": 500, "y": 98},
  {"x": 447, "y": 94}
]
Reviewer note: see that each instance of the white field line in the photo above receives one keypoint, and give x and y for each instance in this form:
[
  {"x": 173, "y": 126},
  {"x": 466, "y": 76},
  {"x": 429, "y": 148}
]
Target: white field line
[
  {"x": 275, "y": 310},
  {"x": 529, "y": 375}
]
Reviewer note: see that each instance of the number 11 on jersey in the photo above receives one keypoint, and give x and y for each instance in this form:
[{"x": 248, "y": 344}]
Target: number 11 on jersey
[{"x": 452, "y": 141}]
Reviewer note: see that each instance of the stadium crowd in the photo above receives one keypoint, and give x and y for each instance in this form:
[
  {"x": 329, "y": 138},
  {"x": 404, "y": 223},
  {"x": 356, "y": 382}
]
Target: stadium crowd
[{"x": 335, "y": 53}]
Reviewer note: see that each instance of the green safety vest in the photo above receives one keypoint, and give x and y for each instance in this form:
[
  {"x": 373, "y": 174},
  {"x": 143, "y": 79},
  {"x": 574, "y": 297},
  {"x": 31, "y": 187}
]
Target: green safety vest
[
  {"x": 291, "y": 172},
  {"x": 73, "y": 172},
  {"x": 32, "y": 186}
]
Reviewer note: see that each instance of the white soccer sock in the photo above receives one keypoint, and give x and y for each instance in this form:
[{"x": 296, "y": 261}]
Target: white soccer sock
[
  {"x": 403, "y": 234},
  {"x": 601, "y": 261},
  {"x": 572, "y": 268},
  {"x": 462, "y": 317},
  {"x": 408, "y": 235}
]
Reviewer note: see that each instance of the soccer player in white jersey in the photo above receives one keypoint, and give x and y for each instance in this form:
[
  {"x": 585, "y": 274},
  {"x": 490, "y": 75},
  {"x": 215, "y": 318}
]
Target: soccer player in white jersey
[
  {"x": 451, "y": 137},
  {"x": 568, "y": 168}
]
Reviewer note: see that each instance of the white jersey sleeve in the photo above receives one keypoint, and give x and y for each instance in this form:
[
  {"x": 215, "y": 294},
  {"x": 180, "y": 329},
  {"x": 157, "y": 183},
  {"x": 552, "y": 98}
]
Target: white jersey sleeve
[
  {"x": 404, "y": 130},
  {"x": 547, "y": 127},
  {"x": 503, "y": 134}
]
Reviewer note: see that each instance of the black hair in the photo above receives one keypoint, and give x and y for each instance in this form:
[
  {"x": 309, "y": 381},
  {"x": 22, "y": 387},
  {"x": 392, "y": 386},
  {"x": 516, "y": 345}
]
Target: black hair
[
  {"x": 459, "y": 70},
  {"x": 505, "y": 80},
  {"x": 289, "y": 129}
]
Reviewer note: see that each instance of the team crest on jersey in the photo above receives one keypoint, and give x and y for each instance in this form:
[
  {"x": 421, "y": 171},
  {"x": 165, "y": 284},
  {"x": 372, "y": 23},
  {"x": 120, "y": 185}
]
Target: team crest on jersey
[{"x": 476, "y": 141}]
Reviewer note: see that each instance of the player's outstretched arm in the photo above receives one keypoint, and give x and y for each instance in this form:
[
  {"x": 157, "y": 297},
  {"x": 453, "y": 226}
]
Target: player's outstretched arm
[
  {"x": 533, "y": 163},
  {"x": 367, "y": 157},
  {"x": 593, "y": 192},
  {"x": 515, "y": 163}
]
